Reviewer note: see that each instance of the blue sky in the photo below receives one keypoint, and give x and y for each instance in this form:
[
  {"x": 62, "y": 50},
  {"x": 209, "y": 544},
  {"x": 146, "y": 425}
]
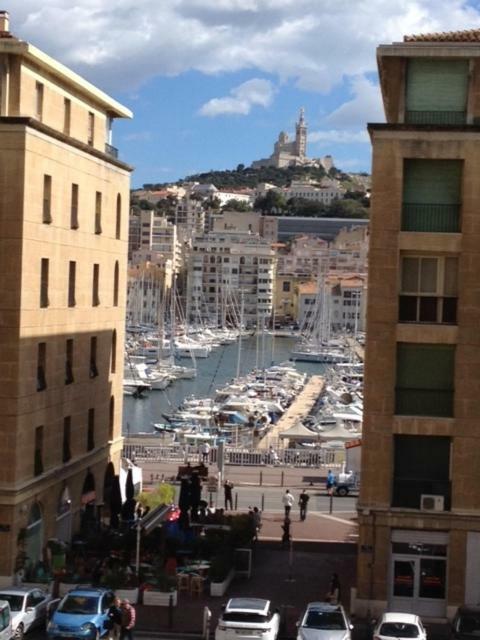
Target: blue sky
[{"x": 212, "y": 82}]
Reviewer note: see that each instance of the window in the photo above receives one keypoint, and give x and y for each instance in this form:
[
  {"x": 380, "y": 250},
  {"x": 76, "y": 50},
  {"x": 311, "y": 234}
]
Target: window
[
  {"x": 421, "y": 466},
  {"x": 111, "y": 418},
  {"x": 91, "y": 430},
  {"x": 47, "y": 199},
  {"x": 91, "y": 128},
  {"x": 115, "y": 284},
  {"x": 41, "y": 366},
  {"x": 286, "y": 286},
  {"x": 118, "y": 221},
  {"x": 44, "y": 282},
  {"x": 428, "y": 290},
  {"x": 425, "y": 379},
  {"x": 72, "y": 268},
  {"x": 74, "y": 207},
  {"x": 39, "y": 101},
  {"x": 38, "y": 452},
  {"x": 98, "y": 212},
  {"x": 113, "y": 361},
  {"x": 93, "y": 357},
  {"x": 96, "y": 276},
  {"x": 432, "y": 195},
  {"x": 69, "y": 361},
  {"x": 67, "y": 111},
  {"x": 66, "y": 451}
]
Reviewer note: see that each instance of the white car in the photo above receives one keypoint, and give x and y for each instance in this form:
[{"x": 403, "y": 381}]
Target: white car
[
  {"x": 28, "y": 607},
  {"x": 323, "y": 621},
  {"x": 248, "y": 618},
  {"x": 399, "y": 625}
]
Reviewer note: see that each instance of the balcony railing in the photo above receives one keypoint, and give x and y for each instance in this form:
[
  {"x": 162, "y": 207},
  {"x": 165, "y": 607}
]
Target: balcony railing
[
  {"x": 424, "y": 402},
  {"x": 407, "y": 492},
  {"x": 111, "y": 151},
  {"x": 439, "y": 118},
  {"x": 437, "y": 218}
]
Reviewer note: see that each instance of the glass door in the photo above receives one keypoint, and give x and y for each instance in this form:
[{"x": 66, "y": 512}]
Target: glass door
[{"x": 418, "y": 585}]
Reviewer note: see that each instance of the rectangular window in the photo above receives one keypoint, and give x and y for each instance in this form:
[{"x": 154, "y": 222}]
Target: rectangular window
[
  {"x": 74, "y": 207},
  {"x": 436, "y": 91},
  {"x": 286, "y": 286},
  {"x": 38, "y": 453},
  {"x": 67, "y": 427},
  {"x": 44, "y": 268},
  {"x": 91, "y": 430},
  {"x": 67, "y": 114},
  {"x": 432, "y": 195},
  {"x": 421, "y": 467},
  {"x": 98, "y": 212},
  {"x": 96, "y": 277},
  {"x": 47, "y": 199},
  {"x": 93, "y": 357},
  {"x": 41, "y": 366},
  {"x": 428, "y": 289},
  {"x": 39, "y": 101},
  {"x": 425, "y": 379},
  {"x": 69, "y": 361},
  {"x": 72, "y": 270},
  {"x": 91, "y": 128}
]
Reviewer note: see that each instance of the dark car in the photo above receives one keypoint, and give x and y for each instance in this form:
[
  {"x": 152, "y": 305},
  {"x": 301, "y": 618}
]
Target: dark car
[{"x": 466, "y": 623}]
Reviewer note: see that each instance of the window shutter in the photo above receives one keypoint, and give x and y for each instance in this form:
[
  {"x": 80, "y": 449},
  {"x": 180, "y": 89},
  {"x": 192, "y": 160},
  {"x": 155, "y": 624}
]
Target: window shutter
[
  {"x": 432, "y": 181},
  {"x": 436, "y": 85}
]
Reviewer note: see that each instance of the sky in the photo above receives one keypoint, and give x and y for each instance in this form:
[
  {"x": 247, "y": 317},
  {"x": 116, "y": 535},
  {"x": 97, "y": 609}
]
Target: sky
[{"x": 213, "y": 82}]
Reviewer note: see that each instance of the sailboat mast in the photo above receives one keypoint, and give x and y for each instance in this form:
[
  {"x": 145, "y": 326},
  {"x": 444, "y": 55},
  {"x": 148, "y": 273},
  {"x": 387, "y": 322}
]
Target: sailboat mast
[{"x": 239, "y": 353}]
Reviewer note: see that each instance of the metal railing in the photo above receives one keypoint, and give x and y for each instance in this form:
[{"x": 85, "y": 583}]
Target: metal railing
[
  {"x": 437, "y": 218},
  {"x": 111, "y": 151},
  {"x": 440, "y": 118}
]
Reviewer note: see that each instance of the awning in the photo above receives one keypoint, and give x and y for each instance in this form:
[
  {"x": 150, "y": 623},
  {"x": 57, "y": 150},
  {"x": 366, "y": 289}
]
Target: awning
[{"x": 156, "y": 517}]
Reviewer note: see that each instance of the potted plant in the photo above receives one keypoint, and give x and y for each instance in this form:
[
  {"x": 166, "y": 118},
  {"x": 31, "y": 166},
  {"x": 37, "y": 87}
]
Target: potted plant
[
  {"x": 221, "y": 574},
  {"x": 160, "y": 590}
]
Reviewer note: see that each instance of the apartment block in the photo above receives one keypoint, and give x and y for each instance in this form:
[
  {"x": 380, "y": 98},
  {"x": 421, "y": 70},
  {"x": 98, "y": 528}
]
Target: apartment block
[
  {"x": 419, "y": 506},
  {"x": 63, "y": 236}
]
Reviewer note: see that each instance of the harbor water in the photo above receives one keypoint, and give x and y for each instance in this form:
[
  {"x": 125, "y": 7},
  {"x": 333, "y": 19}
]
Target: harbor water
[{"x": 213, "y": 373}]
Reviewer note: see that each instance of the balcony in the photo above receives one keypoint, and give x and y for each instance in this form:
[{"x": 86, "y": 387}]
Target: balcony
[
  {"x": 436, "y": 218},
  {"x": 436, "y": 118},
  {"x": 424, "y": 402},
  {"x": 111, "y": 151}
]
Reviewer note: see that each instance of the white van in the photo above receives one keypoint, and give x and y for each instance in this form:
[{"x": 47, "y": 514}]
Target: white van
[{"x": 6, "y": 631}]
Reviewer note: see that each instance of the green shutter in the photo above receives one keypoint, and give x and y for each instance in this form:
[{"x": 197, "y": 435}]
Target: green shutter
[
  {"x": 437, "y": 85},
  {"x": 425, "y": 366},
  {"x": 432, "y": 181}
]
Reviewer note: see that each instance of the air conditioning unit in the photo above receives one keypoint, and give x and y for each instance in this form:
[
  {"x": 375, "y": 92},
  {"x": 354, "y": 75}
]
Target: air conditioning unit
[{"x": 432, "y": 503}]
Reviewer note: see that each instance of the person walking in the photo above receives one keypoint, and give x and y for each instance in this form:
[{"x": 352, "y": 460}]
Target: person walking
[
  {"x": 205, "y": 451},
  {"x": 287, "y": 501},
  {"x": 128, "y": 620},
  {"x": 227, "y": 490},
  {"x": 330, "y": 482},
  {"x": 303, "y": 502},
  {"x": 114, "y": 620},
  {"x": 286, "y": 537}
]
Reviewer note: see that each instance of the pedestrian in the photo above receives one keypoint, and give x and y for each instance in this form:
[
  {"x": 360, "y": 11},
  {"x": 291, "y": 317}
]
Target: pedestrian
[
  {"x": 333, "y": 595},
  {"x": 257, "y": 519},
  {"x": 128, "y": 620},
  {"x": 113, "y": 622},
  {"x": 205, "y": 451},
  {"x": 330, "y": 482},
  {"x": 288, "y": 501},
  {"x": 303, "y": 502},
  {"x": 286, "y": 538},
  {"x": 227, "y": 490}
]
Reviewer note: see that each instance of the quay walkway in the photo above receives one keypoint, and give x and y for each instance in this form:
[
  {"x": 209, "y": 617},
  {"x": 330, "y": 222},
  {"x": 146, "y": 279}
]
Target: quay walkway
[{"x": 299, "y": 408}]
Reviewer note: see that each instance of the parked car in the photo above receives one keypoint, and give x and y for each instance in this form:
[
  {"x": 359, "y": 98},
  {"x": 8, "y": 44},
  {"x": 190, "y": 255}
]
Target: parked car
[
  {"x": 466, "y": 623},
  {"x": 323, "y": 621},
  {"x": 399, "y": 625},
  {"x": 28, "y": 608},
  {"x": 81, "y": 614},
  {"x": 6, "y": 631},
  {"x": 247, "y": 617}
]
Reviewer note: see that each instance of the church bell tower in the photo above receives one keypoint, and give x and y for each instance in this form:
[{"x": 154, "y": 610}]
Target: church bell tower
[{"x": 301, "y": 136}]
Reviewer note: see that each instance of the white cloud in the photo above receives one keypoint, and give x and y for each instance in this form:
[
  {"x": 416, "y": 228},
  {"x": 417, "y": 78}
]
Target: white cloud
[
  {"x": 314, "y": 43},
  {"x": 338, "y": 136},
  {"x": 241, "y": 99}
]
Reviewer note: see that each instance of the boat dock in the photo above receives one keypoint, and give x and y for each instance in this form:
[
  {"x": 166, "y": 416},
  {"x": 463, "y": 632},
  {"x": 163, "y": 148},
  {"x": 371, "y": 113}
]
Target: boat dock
[{"x": 299, "y": 408}]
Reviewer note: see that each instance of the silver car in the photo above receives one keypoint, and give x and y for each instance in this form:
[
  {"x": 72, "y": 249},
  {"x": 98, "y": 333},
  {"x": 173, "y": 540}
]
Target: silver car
[
  {"x": 323, "y": 621},
  {"x": 28, "y": 606}
]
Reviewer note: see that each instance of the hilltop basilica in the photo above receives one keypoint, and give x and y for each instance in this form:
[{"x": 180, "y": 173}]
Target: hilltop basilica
[{"x": 288, "y": 153}]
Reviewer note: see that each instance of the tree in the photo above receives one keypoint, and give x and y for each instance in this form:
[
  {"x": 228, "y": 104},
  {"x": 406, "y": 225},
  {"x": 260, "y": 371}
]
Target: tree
[
  {"x": 346, "y": 209},
  {"x": 272, "y": 202},
  {"x": 236, "y": 205},
  {"x": 146, "y": 205}
]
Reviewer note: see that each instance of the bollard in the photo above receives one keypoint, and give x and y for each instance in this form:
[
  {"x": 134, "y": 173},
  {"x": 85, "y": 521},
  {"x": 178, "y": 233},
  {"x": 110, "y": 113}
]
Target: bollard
[
  {"x": 282, "y": 478},
  {"x": 210, "y": 500},
  {"x": 170, "y": 612},
  {"x": 263, "y": 502},
  {"x": 261, "y": 478},
  {"x": 330, "y": 509},
  {"x": 236, "y": 501}
]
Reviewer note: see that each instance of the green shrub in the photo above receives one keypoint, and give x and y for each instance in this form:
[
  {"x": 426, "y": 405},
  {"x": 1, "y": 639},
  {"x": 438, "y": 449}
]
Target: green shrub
[{"x": 162, "y": 494}]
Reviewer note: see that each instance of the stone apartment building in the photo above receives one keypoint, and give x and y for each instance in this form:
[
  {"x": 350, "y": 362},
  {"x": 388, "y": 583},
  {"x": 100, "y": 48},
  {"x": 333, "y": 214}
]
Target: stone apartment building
[
  {"x": 63, "y": 238},
  {"x": 419, "y": 506}
]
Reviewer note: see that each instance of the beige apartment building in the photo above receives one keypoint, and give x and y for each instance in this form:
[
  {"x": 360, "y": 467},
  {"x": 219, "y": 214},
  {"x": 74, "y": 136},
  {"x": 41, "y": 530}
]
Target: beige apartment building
[
  {"x": 419, "y": 507},
  {"x": 63, "y": 243}
]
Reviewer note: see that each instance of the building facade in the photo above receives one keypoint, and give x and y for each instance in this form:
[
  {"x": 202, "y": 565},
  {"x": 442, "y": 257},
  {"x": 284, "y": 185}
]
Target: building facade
[
  {"x": 63, "y": 242},
  {"x": 419, "y": 506}
]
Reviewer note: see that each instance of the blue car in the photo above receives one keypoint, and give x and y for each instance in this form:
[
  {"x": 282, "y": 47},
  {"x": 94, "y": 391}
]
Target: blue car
[{"x": 81, "y": 614}]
